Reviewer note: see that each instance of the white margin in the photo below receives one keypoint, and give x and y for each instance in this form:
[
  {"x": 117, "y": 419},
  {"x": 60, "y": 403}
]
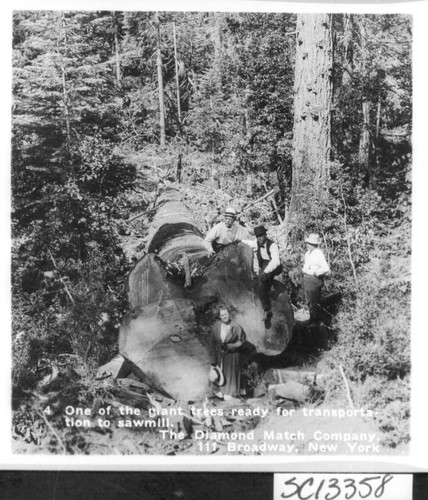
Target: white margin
[{"x": 417, "y": 459}]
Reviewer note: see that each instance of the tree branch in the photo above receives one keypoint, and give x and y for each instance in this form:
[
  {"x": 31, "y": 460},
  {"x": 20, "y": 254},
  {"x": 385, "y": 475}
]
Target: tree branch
[
  {"x": 60, "y": 277},
  {"x": 60, "y": 441},
  {"x": 272, "y": 191},
  {"x": 274, "y": 205},
  {"x": 348, "y": 391},
  {"x": 347, "y": 236}
]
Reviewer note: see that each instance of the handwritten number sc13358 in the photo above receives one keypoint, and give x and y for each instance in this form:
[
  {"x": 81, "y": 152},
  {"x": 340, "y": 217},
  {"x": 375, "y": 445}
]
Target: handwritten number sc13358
[{"x": 340, "y": 487}]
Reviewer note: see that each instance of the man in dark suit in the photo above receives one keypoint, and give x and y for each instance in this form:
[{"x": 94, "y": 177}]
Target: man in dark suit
[{"x": 269, "y": 263}]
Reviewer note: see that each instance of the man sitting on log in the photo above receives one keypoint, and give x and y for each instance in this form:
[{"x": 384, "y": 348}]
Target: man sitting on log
[
  {"x": 226, "y": 232},
  {"x": 267, "y": 254}
]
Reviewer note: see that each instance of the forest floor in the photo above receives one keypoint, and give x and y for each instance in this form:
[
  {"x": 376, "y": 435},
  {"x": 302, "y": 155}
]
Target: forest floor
[{"x": 265, "y": 425}]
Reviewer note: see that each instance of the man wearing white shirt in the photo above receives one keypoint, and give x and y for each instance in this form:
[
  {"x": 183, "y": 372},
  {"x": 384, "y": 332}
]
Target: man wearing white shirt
[
  {"x": 314, "y": 269},
  {"x": 226, "y": 232},
  {"x": 267, "y": 254}
]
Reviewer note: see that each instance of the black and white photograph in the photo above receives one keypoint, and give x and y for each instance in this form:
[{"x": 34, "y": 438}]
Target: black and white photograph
[{"x": 211, "y": 234}]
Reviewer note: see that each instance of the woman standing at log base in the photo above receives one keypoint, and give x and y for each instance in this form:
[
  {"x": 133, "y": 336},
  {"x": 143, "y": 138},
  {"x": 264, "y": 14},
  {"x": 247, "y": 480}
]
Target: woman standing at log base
[{"x": 227, "y": 338}]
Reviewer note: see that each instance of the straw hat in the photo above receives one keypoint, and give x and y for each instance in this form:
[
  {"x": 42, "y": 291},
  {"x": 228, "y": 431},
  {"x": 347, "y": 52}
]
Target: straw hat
[
  {"x": 216, "y": 375},
  {"x": 230, "y": 212},
  {"x": 313, "y": 239}
]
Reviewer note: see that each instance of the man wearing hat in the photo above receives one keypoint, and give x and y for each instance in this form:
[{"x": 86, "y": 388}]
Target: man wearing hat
[
  {"x": 267, "y": 254},
  {"x": 314, "y": 269},
  {"x": 226, "y": 232}
]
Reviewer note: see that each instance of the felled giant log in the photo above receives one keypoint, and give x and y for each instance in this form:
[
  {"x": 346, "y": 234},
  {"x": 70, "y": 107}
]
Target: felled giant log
[{"x": 166, "y": 334}]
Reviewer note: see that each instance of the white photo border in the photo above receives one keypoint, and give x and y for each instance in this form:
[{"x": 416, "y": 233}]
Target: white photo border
[{"x": 417, "y": 459}]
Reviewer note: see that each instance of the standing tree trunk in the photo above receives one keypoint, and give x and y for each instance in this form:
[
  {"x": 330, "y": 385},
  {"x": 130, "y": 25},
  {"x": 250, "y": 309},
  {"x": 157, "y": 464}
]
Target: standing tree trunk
[
  {"x": 216, "y": 19},
  {"x": 364, "y": 147},
  {"x": 312, "y": 120},
  {"x": 365, "y": 139},
  {"x": 348, "y": 48},
  {"x": 177, "y": 79},
  {"x": 61, "y": 49},
  {"x": 160, "y": 82},
  {"x": 216, "y": 77},
  {"x": 116, "y": 49}
]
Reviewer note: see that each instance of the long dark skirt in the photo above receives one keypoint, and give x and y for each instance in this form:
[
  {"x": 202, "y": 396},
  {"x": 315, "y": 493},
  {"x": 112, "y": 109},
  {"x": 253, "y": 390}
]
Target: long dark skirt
[{"x": 231, "y": 364}]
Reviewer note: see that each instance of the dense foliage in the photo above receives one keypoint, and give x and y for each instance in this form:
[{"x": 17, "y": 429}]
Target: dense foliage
[{"x": 86, "y": 131}]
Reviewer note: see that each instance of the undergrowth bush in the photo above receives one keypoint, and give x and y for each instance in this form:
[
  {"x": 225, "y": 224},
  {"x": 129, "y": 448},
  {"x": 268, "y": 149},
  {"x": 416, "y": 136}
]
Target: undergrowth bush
[
  {"x": 73, "y": 307},
  {"x": 373, "y": 335}
]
